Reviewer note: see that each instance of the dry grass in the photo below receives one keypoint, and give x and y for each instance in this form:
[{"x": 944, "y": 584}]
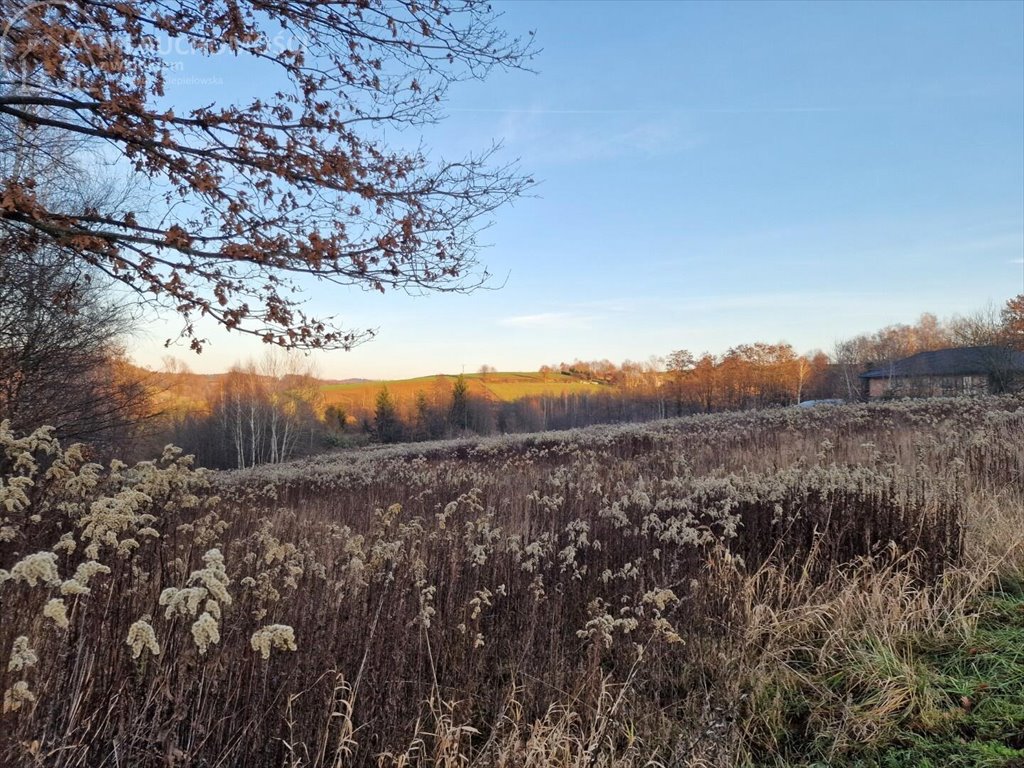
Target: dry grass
[{"x": 707, "y": 591}]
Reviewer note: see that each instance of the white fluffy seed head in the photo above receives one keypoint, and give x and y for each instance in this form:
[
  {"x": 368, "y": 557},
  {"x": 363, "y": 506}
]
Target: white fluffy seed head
[
  {"x": 57, "y": 611},
  {"x": 279, "y": 636},
  {"x": 141, "y": 636},
  {"x": 37, "y": 567},
  {"x": 22, "y": 656},
  {"x": 205, "y": 631}
]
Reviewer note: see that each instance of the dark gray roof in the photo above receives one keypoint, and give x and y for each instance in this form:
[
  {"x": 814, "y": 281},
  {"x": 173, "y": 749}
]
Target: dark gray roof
[{"x": 960, "y": 361}]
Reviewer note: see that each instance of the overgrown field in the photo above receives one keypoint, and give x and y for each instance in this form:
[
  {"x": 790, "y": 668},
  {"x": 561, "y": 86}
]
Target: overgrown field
[{"x": 774, "y": 588}]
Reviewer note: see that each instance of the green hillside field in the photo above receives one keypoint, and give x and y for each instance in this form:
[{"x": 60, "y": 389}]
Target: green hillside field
[{"x": 505, "y": 387}]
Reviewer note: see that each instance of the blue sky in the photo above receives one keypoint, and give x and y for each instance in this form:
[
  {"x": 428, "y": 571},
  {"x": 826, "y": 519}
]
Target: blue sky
[{"x": 710, "y": 174}]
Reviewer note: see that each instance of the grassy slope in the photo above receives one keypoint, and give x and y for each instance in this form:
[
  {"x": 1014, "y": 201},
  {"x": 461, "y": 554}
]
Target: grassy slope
[
  {"x": 494, "y": 386},
  {"x": 982, "y": 723},
  {"x": 974, "y": 717},
  {"x": 192, "y": 392}
]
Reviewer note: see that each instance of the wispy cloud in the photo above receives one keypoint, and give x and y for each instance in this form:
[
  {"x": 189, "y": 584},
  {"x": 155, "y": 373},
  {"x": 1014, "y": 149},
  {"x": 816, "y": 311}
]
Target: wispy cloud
[
  {"x": 808, "y": 247},
  {"x": 654, "y": 110},
  {"x": 539, "y": 136},
  {"x": 993, "y": 242},
  {"x": 611, "y": 304},
  {"x": 800, "y": 303},
  {"x": 549, "y": 321}
]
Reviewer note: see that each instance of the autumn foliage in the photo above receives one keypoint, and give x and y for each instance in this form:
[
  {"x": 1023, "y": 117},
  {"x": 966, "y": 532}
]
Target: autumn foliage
[{"x": 245, "y": 198}]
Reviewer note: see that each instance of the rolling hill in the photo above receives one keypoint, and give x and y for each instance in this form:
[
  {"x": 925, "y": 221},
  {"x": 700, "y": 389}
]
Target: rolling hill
[
  {"x": 183, "y": 392},
  {"x": 499, "y": 387}
]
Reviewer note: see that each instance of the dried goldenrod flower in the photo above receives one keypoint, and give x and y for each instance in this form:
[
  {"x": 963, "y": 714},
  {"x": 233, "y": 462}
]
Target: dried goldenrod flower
[
  {"x": 73, "y": 588},
  {"x": 274, "y": 549},
  {"x": 171, "y": 452},
  {"x": 212, "y": 607},
  {"x": 17, "y": 695},
  {"x": 66, "y": 544},
  {"x": 21, "y": 655},
  {"x": 13, "y": 494},
  {"x": 63, "y": 467},
  {"x": 88, "y": 569},
  {"x": 56, "y": 610},
  {"x": 110, "y": 516},
  {"x": 79, "y": 583},
  {"x": 427, "y": 609},
  {"x": 205, "y": 631},
  {"x": 214, "y": 576},
  {"x": 184, "y": 601},
  {"x": 602, "y": 627},
  {"x": 279, "y": 636},
  {"x": 482, "y": 599},
  {"x": 126, "y": 546},
  {"x": 41, "y": 566},
  {"x": 295, "y": 572},
  {"x": 141, "y": 635},
  {"x": 664, "y": 628},
  {"x": 660, "y": 598}
]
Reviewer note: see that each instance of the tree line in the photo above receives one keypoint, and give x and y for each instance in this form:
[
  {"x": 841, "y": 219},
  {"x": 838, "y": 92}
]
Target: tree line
[
  {"x": 70, "y": 370},
  {"x": 746, "y": 376}
]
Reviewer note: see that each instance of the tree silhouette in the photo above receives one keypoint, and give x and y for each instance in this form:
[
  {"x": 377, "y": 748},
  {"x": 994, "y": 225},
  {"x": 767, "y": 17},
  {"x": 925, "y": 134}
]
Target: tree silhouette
[
  {"x": 459, "y": 413},
  {"x": 1012, "y": 317},
  {"x": 680, "y": 364},
  {"x": 61, "y": 362},
  {"x": 386, "y": 425}
]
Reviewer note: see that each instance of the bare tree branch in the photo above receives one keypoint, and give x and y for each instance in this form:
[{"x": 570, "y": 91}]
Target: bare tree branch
[{"x": 298, "y": 183}]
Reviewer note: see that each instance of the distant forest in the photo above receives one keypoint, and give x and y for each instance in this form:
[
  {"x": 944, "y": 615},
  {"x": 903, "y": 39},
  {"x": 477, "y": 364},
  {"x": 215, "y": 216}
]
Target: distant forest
[
  {"x": 272, "y": 411},
  {"x": 70, "y": 371}
]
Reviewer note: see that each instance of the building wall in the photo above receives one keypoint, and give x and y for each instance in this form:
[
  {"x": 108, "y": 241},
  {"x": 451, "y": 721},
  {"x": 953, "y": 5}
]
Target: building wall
[
  {"x": 877, "y": 388},
  {"x": 928, "y": 386}
]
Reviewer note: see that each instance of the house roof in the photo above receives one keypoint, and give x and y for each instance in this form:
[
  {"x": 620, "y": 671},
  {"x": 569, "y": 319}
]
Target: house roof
[{"x": 960, "y": 361}]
